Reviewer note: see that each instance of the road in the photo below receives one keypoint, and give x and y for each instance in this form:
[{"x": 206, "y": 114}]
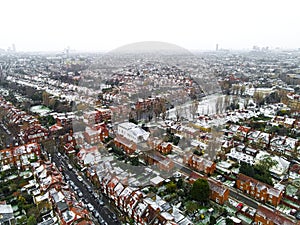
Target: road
[
  {"x": 105, "y": 210},
  {"x": 242, "y": 198},
  {"x": 234, "y": 193}
]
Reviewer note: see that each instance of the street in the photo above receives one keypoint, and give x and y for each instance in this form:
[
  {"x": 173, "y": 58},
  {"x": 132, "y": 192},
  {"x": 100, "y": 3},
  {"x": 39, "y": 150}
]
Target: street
[{"x": 105, "y": 211}]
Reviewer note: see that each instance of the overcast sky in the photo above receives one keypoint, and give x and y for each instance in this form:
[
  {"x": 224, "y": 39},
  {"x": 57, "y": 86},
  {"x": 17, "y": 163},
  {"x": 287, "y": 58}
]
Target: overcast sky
[{"x": 52, "y": 25}]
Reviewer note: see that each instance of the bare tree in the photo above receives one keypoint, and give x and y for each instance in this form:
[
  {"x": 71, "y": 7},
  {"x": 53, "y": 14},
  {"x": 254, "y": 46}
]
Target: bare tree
[
  {"x": 258, "y": 96},
  {"x": 242, "y": 90},
  {"x": 226, "y": 101},
  {"x": 178, "y": 112},
  {"x": 219, "y": 105},
  {"x": 194, "y": 108}
]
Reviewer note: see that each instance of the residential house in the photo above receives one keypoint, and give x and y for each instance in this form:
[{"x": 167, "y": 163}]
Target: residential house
[
  {"x": 20, "y": 156},
  {"x": 162, "y": 162},
  {"x": 33, "y": 133},
  {"x": 95, "y": 136},
  {"x": 242, "y": 132},
  {"x": 218, "y": 192},
  {"x": 132, "y": 132},
  {"x": 199, "y": 163},
  {"x": 88, "y": 156},
  {"x": 132, "y": 201},
  {"x": 278, "y": 171},
  {"x": 76, "y": 215},
  {"x": 7, "y": 215},
  {"x": 129, "y": 135},
  {"x": 266, "y": 216},
  {"x": 164, "y": 147},
  {"x": 294, "y": 172},
  {"x": 263, "y": 140},
  {"x": 260, "y": 191},
  {"x": 97, "y": 116},
  {"x": 290, "y": 146},
  {"x": 129, "y": 147},
  {"x": 117, "y": 192},
  {"x": 123, "y": 196},
  {"x": 64, "y": 120},
  {"x": 277, "y": 144},
  {"x": 110, "y": 188}
]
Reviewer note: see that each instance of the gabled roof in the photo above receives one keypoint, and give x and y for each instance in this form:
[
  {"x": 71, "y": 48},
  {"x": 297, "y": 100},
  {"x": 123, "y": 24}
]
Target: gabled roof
[
  {"x": 276, "y": 217},
  {"x": 217, "y": 187}
]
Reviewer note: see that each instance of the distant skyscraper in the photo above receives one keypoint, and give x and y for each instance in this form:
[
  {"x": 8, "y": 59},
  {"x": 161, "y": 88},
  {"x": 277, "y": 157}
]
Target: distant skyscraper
[
  {"x": 13, "y": 48},
  {"x": 217, "y": 47}
]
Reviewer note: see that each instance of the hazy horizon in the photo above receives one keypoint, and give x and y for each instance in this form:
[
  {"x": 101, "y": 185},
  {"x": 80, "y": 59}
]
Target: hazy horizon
[{"x": 93, "y": 25}]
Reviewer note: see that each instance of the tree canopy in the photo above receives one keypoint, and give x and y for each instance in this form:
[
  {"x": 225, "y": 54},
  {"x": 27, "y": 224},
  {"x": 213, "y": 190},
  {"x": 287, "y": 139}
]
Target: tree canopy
[
  {"x": 200, "y": 190},
  {"x": 261, "y": 170}
]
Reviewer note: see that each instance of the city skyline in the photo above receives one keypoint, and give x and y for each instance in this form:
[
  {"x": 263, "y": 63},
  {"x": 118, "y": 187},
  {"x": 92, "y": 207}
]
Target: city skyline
[{"x": 103, "y": 26}]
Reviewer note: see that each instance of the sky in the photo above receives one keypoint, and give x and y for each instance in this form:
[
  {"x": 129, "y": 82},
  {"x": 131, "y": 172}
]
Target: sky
[{"x": 96, "y": 25}]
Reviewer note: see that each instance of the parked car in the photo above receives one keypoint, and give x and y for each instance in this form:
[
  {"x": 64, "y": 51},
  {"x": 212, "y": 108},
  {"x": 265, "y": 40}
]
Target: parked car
[
  {"x": 101, "y": 221},
  {"x": 89, "y": 189},
  {"x": 80, "y": 178},
  {"x": 219, "y": 177},
  {"x": 297, "y": 215},
  {"x": 96, "y": 214},
  {"x": 239, "y": 206},
  {"x": 96, "y": 196},
  {"x": 101, "y": 203},
  {"x": 114, "y": 217},
  {"x": 223, "y": 179},
  {"x": 70, "y": 167},
  {"x": 90, "y": 207}
]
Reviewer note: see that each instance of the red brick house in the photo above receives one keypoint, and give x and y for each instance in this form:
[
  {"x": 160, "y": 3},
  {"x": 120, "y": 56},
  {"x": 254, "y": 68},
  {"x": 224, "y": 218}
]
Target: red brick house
[
  {"x": 76, "y": 215},
  {"x": 69, "y": 148},
  {"x": 128, "y": 146},
  {"x": 33, "y": 133},
  {"x": 88, "y": 156},
  {"x": 97, "y": 116},
  {"x": 64, "y": 120},
  {"x": 265, "y": 216},
  {"x": 258, "y": 190},
  {"x": 218, "y": 192},
  {"x": 199, "y": 163},
  {"x": 111, "y": 186},
  {"x": 96, "y": 134},
  {"x": 164, "y": 147},
  {"x": 20, "y": 155},
  {"x": 162, "y": 162}
]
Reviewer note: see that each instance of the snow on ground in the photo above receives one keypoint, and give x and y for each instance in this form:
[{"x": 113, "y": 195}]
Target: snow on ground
[{"x": 40, "y": 109}]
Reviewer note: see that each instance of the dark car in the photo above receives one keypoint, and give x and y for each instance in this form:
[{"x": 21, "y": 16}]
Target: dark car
[
  {"x": 96, "y": 213},
  {"x": 223, "y": 179},
  {"x": 297, "y": 215},
  {"x": 114, "y": 217},
  {"x": 101, "y": 203},
  {"x": 89, "y": 189}
]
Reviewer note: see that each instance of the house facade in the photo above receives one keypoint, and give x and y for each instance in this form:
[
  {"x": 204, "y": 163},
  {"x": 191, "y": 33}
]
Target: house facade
[
  {"x": 260, "y": 191},
  {"x": 200, "y": 164},
  {"x": 218, "y": 192},
  {"x": 265, "y": 216}
]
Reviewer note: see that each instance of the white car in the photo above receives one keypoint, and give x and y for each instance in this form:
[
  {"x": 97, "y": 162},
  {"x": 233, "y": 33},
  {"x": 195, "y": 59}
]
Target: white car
[
  {"x": 70, "y": 167},
  {"x": 80, "y": 178},
  {"x": 90, "y": 207}
]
